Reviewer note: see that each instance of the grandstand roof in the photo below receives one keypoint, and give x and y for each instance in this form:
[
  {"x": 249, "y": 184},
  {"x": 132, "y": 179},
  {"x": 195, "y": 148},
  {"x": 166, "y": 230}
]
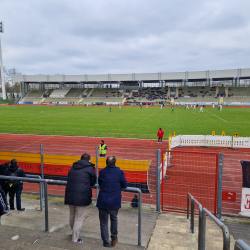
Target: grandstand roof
[{"x": 133, "y": 77}]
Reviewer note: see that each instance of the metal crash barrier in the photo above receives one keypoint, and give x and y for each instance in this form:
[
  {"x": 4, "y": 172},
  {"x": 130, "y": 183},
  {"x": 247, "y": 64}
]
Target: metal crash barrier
[{"x": 45, "y": 182}]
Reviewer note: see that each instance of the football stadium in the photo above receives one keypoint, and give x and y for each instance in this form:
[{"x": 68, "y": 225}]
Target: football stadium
[{"x": 205, "y": 150}]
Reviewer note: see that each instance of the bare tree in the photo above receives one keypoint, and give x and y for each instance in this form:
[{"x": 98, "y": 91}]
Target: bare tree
[
  {"x": 12, "y": 88},
  {"x": 9, "y": 73}
]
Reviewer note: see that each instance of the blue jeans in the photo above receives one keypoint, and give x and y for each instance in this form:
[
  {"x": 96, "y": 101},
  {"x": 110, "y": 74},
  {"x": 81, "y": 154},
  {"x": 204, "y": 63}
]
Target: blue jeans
[
  {"x": 18, "y": 199},
  {"x": 104, "y": 220}
]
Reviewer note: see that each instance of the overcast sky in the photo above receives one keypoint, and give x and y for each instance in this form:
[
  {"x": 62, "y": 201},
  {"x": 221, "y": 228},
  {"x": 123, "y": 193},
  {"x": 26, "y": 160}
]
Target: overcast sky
[{"x": 78, "y": 37}]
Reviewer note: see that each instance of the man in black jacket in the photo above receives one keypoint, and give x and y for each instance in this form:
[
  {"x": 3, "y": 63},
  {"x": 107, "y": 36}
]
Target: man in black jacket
[
  {"x": 78, "y": 193},
  {"x": 15, "y": 187},
  {"x": 3, "y": 167},
  {"x": 3, "y": 204}
]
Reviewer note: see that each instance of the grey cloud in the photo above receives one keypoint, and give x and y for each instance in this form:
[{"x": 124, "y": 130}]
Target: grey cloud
[{"x": 124, "y": 36}]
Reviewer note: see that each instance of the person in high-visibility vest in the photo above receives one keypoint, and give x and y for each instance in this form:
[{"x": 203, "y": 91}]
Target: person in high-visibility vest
[{"x": 102, "y": 149}]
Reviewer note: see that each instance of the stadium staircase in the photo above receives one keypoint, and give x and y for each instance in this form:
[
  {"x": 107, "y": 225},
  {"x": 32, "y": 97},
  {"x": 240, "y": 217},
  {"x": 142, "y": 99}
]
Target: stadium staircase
[
  {"x": 80, "y": 100},
  {"x": 124, "y": 100},
  {"x": 90, "y": 92}
]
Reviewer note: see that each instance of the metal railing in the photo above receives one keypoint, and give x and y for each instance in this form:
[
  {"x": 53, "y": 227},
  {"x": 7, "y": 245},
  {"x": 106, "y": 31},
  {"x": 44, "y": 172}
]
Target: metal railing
[
  {"x": 45, "y": 182},
  {"x": 202, "y": 224},
  {"x": 241, "y": 245},
  {"x": 40, "y": 188}
]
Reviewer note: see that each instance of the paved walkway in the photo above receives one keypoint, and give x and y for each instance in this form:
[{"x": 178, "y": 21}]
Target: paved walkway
[
  {"x": 239, "y": 228},
  {"x": 25, "y": 230}
]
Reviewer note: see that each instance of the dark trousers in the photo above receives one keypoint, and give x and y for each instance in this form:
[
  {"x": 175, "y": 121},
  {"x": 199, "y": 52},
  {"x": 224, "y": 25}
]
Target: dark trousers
[
  {"x": 102, "y": 155},
  {"x": 18, "y": 199},
  {"x": 104, "y": 220},
  {"x": 159, "y": 139}
]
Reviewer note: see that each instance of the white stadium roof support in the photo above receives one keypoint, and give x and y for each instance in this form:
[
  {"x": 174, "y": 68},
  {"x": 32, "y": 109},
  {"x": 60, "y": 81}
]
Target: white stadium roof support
[{"x": 1, "y": 65}]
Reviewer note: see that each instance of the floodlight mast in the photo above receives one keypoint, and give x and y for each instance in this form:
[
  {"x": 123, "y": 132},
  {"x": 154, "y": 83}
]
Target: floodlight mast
[{"x": 1, "y": 63}]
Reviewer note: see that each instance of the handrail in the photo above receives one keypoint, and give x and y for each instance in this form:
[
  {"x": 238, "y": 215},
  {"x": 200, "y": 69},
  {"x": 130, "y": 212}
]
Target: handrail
[
  {"x": 40, "y": 187},
  {"x": 58, "y": 182},
  {"x": 241, "y": 245},
  {"x": 225, "y": 231},
  {"x": 202, "y": 224},
  {"x": 201, "y": 238}
]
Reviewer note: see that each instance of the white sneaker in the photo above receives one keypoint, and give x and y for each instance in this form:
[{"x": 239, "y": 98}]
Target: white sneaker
[{"x": 157, "y": 142}]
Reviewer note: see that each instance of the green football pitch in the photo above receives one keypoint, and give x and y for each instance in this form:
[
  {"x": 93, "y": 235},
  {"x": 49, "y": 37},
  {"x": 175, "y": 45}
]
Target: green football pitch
[{"x": 128, "y": 122}]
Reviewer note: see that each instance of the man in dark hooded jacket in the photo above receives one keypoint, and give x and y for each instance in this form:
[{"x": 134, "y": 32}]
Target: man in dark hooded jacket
[
  {"x": 15, "y": 187},
  {"x": 78, "y": 193},
  {"x": 111, "y": 181}
]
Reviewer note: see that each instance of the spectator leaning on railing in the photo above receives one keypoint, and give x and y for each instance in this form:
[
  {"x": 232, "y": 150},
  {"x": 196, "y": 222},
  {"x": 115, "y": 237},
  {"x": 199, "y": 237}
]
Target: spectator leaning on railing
[
  {"x": 78, "y": 193},
  {"x": 15, "y": 187},
  {"x": 111, "y": 181}
]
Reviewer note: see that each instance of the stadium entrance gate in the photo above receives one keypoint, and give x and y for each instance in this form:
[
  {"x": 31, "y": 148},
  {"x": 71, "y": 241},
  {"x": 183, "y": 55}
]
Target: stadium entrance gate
[{"x": 189, "y": 172}]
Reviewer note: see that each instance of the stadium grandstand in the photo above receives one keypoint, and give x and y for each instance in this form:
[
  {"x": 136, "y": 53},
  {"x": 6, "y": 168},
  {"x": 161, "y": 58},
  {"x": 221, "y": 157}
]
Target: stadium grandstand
[{"x": 229, "y": 87}]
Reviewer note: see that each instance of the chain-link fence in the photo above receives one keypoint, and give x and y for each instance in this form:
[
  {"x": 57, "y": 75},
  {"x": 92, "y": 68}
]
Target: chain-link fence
[{"x": 232, "y": 182}]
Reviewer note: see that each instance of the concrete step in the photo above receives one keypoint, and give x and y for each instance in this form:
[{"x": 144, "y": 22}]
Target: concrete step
[
  {"x": 33, "y": 218},
  {"x": 11, "y": 230},
  {"x": 13, "y": 238},
  {"x": 172, "y": 232},
  {"x": 18, "y": 245}
]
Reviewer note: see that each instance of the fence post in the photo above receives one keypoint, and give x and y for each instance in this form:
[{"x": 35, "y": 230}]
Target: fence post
[
  {"x": 200, "y": 229},
  {"x": 42, "y": 170},
  {"x": 192, "y": 216},
  {"x": 41, "y": 195},
  {"x": 219, "y": 192},
  {"x": 188, "y": 206},
  {"x": 158, "y": 181},
  {"x": 139, "y": 218},
  {"x": 203, "y": 229},
  {"x": 96, "y": 155},
  {"x": 46, "y": 207}
]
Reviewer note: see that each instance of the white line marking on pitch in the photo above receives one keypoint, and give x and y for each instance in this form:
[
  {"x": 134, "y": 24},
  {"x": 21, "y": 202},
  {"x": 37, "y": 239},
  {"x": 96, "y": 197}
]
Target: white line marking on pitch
[{"x": 216, "y": 116}]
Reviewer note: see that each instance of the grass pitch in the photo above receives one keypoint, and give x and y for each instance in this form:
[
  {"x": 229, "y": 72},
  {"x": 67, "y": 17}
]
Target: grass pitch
[{"x": 128, "y": 122}]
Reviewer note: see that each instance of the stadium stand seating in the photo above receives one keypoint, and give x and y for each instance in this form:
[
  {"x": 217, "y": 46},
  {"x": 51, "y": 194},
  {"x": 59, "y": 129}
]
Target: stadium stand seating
[
  {"x": 49, "y": 91},
  {"x": 149, "y": 95},
  {"x": 62, "y": 99},
  {"x": 34, "y": 96},
  {"x": 196, "y": 91},
  {"x": 234, "y": 92},
  {"x": 75, "y": 93},
  {"x": 88, "y": 90},
  {"x": 106, "y": 93},
  {"x": 57, "y": 93},
  {"x": 145, "y": 95}
]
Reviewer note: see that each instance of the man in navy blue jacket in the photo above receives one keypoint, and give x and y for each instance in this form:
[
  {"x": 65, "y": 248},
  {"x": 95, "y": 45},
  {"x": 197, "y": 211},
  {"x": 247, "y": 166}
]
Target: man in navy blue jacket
[{"x": 111, "y": 180}]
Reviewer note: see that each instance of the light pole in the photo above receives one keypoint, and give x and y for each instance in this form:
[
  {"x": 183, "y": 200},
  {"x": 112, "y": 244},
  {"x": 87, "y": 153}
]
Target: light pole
[{"x": 1, "y": 62}]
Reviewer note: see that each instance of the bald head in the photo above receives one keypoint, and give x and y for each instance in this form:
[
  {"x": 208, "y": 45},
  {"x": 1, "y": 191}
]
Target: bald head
[{"x": 111, "y": 160}]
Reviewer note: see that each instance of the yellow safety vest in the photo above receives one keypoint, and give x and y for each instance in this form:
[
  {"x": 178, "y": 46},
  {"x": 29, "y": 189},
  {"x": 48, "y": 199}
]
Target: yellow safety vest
[{"x": 102, "y": 150}]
